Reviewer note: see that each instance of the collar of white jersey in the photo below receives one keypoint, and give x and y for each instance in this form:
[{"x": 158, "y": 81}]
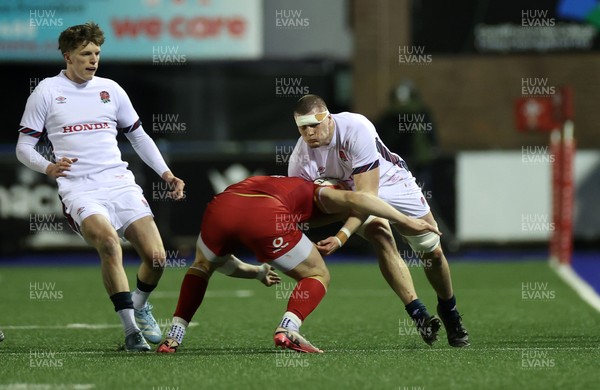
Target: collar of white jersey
[
  {"x": 63, "y": 75},
  {"x": 311, "y": 119}
]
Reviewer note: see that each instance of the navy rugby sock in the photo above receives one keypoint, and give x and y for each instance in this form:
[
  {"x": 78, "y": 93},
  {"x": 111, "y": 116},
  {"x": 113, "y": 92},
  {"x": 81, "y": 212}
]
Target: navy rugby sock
[
  {"x": 417, "y": 310},
  {"x": 448, "y": 307}
]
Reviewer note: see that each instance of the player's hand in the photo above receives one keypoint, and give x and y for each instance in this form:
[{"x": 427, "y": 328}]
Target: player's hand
[
  {"x": 175, "y": 184},
  {"x": 269, "y": 276},
  {"x": 59, "y": 168},
  {"x": 328, "y": 246},
  {"x": 419, "y": 226}
]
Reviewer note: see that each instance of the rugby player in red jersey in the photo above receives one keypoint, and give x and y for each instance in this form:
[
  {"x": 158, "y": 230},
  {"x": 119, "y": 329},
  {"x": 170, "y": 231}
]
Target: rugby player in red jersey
[{"x": 249, "y": 214}]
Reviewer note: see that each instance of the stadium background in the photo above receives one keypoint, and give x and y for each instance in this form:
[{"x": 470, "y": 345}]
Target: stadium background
[{"x": 214, "y": 83}]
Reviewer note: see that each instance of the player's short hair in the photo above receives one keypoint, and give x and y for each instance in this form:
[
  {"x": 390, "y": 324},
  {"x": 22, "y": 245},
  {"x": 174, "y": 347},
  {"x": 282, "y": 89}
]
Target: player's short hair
[
  {"x": 80, "y": 35},
  {"x": 307, "y": 103}
]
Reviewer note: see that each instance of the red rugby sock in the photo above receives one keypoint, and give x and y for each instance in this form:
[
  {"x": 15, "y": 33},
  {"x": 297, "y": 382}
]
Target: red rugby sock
[
  {"x": 306, "y": 297},
  {"x": 191, "y": 295}
]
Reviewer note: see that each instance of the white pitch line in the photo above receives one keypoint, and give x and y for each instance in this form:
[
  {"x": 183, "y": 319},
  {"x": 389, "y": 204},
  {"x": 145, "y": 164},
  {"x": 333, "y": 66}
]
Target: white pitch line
[
  {"x": 209, "y": 294},
  {"x": 474, "y": 349},
  {"x": 71, "y": 326},
  {"x": 584, "y": 290},
  {"x": 399, "y": 350},
  {"x": 47, "y": 386}
]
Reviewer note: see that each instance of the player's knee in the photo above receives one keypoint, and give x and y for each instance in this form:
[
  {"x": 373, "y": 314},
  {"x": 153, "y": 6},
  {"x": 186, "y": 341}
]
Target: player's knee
[
  {"x": 435, "y": 258},
  {"x": 202, "y": 264},
  {"x": 108, "y": 245},
  {"x": 379, "y": 234},
  {"x": 324, "y": 277},
  {"x": 378, "y": 231}
]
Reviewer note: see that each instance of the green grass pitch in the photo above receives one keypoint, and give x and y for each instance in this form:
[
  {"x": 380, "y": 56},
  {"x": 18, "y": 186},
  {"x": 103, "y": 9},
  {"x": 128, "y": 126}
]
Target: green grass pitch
[{"x": 528, "y": 331}]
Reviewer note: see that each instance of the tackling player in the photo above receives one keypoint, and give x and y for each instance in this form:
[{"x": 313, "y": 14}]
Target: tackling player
[
  {"x": 81, "y": 115},
  {"x": 346, "y": 146},
  {"x": 250, "y": 214}
]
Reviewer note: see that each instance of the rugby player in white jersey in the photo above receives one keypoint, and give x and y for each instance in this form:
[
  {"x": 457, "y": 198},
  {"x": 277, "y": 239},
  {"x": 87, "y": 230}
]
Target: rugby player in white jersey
[
  {"x": 81, "y": 115},
  {"x": 346, "y": 146}
]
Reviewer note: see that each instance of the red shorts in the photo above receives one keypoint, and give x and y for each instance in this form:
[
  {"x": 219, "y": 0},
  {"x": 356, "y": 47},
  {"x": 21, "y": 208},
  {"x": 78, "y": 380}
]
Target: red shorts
[{"x": 256, "y": 221}]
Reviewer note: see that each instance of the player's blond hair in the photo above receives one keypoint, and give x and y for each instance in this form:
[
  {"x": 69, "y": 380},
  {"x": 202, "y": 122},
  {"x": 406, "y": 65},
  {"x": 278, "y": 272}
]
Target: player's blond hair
[
  {"x": 307, "y": 103},
  {"x": 80, "y": 35}
]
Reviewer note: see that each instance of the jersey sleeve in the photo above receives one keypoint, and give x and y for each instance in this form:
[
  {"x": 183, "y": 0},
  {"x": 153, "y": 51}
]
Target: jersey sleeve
[
  {"x": 30, "y": 157},
  {"x": 145, "y": 147},
  {"x": 36, "y": 109},
  {"x": 127, "y": 118},
  {"x": 362, "y": 146}
]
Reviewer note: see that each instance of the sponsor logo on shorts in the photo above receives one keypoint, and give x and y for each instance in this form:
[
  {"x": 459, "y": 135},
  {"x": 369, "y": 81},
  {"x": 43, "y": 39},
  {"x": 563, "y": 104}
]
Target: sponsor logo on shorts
[
  {"x": 279, "y": 245},
  {"x": 80, "y": 210}
]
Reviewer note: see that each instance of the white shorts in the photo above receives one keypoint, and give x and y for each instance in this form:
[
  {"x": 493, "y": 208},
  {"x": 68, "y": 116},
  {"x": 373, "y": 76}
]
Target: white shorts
[
  {"x": 406, "y": 196},
  {"x": 121, "y": 206}
]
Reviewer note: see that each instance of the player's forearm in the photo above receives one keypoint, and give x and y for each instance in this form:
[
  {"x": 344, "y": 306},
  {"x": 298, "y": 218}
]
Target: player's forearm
[
  {"x": 30, "y": 157},
  {"x": 236, "y": 268},
  {"x": 245, "y": 271},
  {"x": 145, "y": 147},
  {"x": 368, "y": 204},
  {"x": 366, "y": 183},
  {"x": 353, "y": 223}
]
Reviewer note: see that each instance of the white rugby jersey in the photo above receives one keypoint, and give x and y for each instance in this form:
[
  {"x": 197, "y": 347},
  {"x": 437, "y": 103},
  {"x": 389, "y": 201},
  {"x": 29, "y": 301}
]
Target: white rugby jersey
[
  {"x": 354, "y": 148},
  {"x": 81, "y": 121}
]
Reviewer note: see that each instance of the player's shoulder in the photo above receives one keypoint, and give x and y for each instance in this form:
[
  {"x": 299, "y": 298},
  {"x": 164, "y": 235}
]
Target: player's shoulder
[
  {"x": 350, "y": 124},
  {"x": 52, "y": 80},
  {"x": 48, "y": 84},
  {"x": 106, "y": 82},
  {"x": 351, "y": 120},
  {"x": 350, "y": 116},
  {"x": 46, "y": 90}
]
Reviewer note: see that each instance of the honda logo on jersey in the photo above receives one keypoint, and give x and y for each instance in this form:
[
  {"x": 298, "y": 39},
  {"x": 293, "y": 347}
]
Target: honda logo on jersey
[{"x": 85, "y": 126}]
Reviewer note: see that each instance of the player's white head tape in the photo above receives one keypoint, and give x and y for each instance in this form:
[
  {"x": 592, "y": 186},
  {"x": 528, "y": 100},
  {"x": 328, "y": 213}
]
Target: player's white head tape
[
  {"x": 423, "y": 243},
  {"x": 311, "y": 119}
]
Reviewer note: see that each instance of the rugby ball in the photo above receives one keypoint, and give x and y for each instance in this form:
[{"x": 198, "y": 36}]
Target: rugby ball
[{"x": 332, "y": 183}]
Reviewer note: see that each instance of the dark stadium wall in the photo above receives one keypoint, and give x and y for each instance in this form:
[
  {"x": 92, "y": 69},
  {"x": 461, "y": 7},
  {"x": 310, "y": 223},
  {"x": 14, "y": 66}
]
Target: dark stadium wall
[{"x": 471, "y": 95}]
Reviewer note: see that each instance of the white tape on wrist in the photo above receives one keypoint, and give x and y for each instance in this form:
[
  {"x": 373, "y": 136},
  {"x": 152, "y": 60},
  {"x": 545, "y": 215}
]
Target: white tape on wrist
[
  {"x": 338, "y": 241},
  {"x": 346, "y": 231}
]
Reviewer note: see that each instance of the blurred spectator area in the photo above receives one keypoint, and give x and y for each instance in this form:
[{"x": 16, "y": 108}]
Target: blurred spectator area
[{"x": 210, "y": 101}]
